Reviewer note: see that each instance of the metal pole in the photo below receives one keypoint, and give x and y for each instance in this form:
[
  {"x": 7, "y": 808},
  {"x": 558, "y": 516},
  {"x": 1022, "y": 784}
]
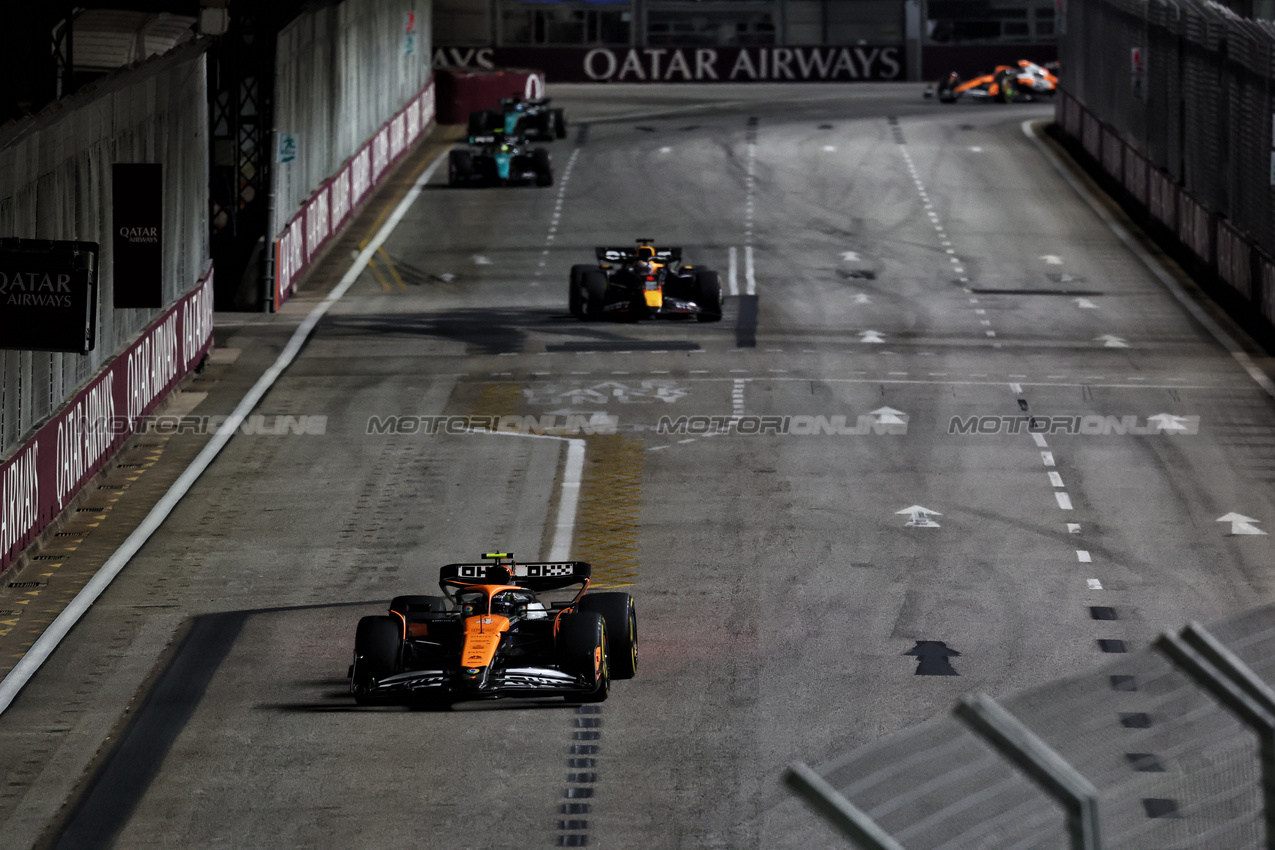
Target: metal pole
[
  {"x": 849, "y": 820},
  {"x": 1009, "y": 737},
  {"x": 1213, "y": 667}
]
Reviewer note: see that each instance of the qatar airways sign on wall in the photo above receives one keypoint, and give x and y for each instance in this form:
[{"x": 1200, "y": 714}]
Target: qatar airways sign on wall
[
  {"x": 42, "y": 476},
  {"x": 688, "y": 64}
]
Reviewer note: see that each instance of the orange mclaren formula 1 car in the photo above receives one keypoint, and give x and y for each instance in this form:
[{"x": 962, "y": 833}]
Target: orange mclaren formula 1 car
[
  {"x": 1026, "y": 81},
  {"x": 497, "y": 632}
]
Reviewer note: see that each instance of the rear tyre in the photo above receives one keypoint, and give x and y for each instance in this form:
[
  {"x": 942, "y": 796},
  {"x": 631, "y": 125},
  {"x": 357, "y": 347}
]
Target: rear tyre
[
  {"x": 479, "y": 123},
  {"x": 376, "y": 650},
  {"x": 543, "y": 166},
  {"x": 460, "y": 165},
  {"x": 559, "y": 124},
  {"x": 1006, "y": 86},
  {"x": 575, "y": 290},
  {"x": 419, "y": 604},
  {"x": 595, "y": 293},
  {"x": 947, "y": 88},
  {"x": 616, "y": 608},
  {"x": 581, "y": 646},
  {"x": 709, "y": 296}
]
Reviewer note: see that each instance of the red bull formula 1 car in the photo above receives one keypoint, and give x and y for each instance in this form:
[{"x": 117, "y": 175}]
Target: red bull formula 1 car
[
  {"x": 1025, "y": 81},
  {"x": 642, "y": 282},
  {"x": 497, "y": 632}
]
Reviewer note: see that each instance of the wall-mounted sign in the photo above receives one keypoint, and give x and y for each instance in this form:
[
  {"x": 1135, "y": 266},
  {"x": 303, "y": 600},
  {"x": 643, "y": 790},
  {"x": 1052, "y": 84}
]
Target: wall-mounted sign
[
  {"x": 48, "y": 295},
  {"x": 1138, "y": 72},
  {"x": 286, "y": 147},
  {"x": 688, "y": 64},
  {"x": 409, "y": 34},
  {"x": 137, "y": 207}
]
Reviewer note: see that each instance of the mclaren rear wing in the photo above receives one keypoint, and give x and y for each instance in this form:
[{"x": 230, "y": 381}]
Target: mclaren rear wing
[{"x": 549, "y": 575}]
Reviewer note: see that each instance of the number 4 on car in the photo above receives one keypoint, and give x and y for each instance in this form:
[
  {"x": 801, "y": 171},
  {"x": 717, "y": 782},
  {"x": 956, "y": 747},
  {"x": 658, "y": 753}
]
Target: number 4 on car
[{"x": 500, "y": 629}]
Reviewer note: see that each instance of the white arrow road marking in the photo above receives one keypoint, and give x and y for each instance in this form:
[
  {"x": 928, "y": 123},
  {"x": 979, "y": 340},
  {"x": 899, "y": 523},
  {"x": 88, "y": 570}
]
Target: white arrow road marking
[
  {"x": 919, "y": 517},
  {"x": 480, "y": 260},
  {"x": 732, "y": 275},
  {"x": 849, "y": 256},
  {"x": 1052, "y": 259},
  {"x": 861, "y": 298},
  {"x": 1169, "y": 422},
  {"x": 1109, "y": 341},
  {"x": 871, "y": 336},
  {"x": 1241, "y": 524},
  {"x": 1085, "y": 304},
  {"x": 890, "y": 416}
]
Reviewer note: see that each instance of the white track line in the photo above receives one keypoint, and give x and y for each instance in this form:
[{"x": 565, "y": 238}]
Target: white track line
[
  {"x": 58, "y": 629},
  {"x": 1197, "y": 313},
  {"x": 750, "y": 280},
  {"x": 732, "y": 274}
]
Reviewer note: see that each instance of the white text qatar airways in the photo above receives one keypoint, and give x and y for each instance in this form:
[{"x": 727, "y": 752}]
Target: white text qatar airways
[{"x": 706, "y": 64}]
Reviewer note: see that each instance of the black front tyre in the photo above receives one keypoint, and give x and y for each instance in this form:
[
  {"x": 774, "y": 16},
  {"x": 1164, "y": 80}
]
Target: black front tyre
[
  {"x": 595, "y": 293},
  {"x": 559, "y": 124},
  {"x": 543, "y": 166},
  {"x": 460, "y": 165},
  {"x": 708, "y": 296},
  {"x": 1006, "y": 86},
  {"x": 376, "y": 655},
  {"x": 575, "y": 290},
  {"x": 581, "y": 648},
  {"x": 617, "y": 609}
]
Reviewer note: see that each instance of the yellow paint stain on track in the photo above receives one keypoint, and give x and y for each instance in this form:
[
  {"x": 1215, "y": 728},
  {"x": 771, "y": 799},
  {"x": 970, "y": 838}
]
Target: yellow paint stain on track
[{"x": 607, "y": 520}]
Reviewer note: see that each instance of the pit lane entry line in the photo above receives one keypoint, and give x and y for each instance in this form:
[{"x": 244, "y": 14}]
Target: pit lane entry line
[{"x": 58, "y": 629}]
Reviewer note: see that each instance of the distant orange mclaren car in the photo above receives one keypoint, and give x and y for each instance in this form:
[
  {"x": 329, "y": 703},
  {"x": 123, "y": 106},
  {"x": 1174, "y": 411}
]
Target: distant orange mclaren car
[
  {"x": 497, "y": 632},
  {"x": 1025, "y": 81}
]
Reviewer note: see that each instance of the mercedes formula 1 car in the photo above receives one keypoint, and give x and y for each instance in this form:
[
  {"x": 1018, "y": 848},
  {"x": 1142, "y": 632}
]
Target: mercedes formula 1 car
[
  {"x": 1026, "y": 81},
  {"x": 642, "y": 282},
  {"x": 517, "y": 117},
  {"x": 499, "y": 160},
  {"x": 498, "y": 632}
]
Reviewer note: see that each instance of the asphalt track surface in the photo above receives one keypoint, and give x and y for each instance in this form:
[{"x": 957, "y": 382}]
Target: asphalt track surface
[{"x": 778, "y": 585}]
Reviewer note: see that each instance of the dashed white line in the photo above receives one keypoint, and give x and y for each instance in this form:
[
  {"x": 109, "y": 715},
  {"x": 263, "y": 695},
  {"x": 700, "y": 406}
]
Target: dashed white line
[
  {"x": 1073, "y": 528},
  {"x": 1064, "y": 501},
  {"x": 1015, "y": 388},
  {"x": 1082, "y": 555},
  {"x": 732, "y": 272},
  {"x": 1047, "y": 458},
  {"x": 1094, "y": 584},
  {"x": 750, "y": 281},
  {"x": 1040, "y": 440},
  {"x": 1056, "y": 479}
]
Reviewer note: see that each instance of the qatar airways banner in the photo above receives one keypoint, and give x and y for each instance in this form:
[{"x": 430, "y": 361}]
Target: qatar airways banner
[
  {"x": 46, "y": 472},
  {"x": 328, "y": 210},
  {"x": 688, "y": 64}
]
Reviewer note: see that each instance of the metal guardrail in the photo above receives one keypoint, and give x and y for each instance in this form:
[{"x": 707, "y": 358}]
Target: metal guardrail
[
  {"x": 1173, "y": 100},
  {"x": 1171, "y": 747}
]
